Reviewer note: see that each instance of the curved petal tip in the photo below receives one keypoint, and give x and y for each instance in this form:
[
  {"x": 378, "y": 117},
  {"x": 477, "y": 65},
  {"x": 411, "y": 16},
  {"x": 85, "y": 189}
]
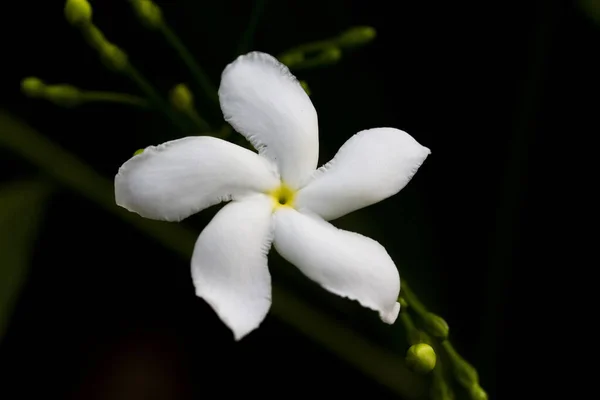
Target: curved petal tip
[{"x": 390, "y": 316}]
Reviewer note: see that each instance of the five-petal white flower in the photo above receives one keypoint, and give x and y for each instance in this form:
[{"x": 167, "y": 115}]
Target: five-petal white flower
[{"x": 276, "y": 197}]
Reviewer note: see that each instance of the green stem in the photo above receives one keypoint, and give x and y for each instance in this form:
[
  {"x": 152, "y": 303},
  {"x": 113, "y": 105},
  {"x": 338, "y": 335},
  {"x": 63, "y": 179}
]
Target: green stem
[
  {"x": 412, "y": 300},
  {"x": 199, "y": 75},
  {"x": 112, "y": 97},
  {"x": 198, "y": 120},
  {"x": 313, "y": 62},
  {"x": 440, "y": 387},
  {"x": 96, "y": 40},
  {"x": 412, "y": 333},
  {"x": 379, "y": 364},
  {"x": 312, "y": 47},
  {"x": 149, "y": 90},
  {"x": 78, "y": 176},
  {"x": 464, "y": 373},
  {"x": 452, "y": 353},
  {"x": 246, "y": 39},
  {"x": 225, "y": 131}
]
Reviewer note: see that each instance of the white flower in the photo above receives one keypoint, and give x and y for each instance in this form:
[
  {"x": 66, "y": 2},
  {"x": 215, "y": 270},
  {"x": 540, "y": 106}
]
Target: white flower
[{"x": 277, "y": 196}]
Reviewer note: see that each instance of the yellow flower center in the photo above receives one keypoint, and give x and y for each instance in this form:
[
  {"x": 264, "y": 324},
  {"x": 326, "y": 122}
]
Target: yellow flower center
[{"x": 283, "y": 196}]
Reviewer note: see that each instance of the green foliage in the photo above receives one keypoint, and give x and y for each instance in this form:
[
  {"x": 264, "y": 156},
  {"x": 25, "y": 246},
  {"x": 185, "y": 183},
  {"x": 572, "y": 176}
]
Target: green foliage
[
  {"x": 328, "y": 51},
  {"x": 21, "y": 208},
  {"x": 591, "y": 8},
  {"x": 23, "y": 201}
]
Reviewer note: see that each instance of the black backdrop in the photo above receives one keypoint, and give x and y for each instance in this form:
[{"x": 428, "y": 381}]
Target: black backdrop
[{"x": 497, "y": 90}]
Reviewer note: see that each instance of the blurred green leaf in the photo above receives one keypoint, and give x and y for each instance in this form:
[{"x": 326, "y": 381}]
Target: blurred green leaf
[
  {"x": 591, "y": 8},
  {"x": 386, "y": 367},
  {"x": 21, "y": 206}
]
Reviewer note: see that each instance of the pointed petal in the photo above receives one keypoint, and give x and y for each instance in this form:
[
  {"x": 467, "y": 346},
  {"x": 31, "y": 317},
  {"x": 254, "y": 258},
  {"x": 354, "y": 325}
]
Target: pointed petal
[
  {"x": 372, "y": 165},
  {"x": 345, "y": 263},
  {"x": 264, "y": 102},
  {"x": 229, "y": 265},
  {"x": 179, "y": 178}
]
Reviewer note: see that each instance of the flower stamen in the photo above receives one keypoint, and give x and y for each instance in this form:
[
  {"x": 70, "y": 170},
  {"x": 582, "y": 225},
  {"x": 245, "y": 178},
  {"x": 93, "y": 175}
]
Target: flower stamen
[{"x": 283, "y": 196}]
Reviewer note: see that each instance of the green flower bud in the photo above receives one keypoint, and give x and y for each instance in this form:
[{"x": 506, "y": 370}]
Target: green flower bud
[
  {"x": 476, "y": 392},
  {"x": 435, "y": 325},
  {"x": 63, "y": 95},
  {"x": 78, "y": 12},
  {"x": 305, "y": 87},
  {"x": 113, "y": 57},
  {"x": 137, "y": 152},
  {"x": 421, "y": 358},
  {"x": 33, "y": 87},
  {"x": 357, "y": 36},
  {"x": 148, "y": 13},
  {"x": 182, "y": 98}
]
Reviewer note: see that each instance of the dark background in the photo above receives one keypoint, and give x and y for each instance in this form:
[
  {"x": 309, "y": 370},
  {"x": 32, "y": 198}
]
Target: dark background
[{"x": 497, "y": 90}]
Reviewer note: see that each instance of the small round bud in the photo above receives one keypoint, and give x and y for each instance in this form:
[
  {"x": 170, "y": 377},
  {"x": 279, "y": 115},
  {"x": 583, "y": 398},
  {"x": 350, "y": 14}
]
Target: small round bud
[
  {"x": 357, "y": 36},
  {"x": 421, "y": 358},
  {"x": 181, "y": 97},
  {"x": 78, "y": 12},
  {"x": 148, "y": 13},
  {"x": 476, "y": 392},
  {"x": 63, "y": 95},
  {"x": 291, "y": 59},
  {"x": 137, "y": 152},
  {"x": 33, "y": 87},
  {"x": 113, "y": 57},
  {"x": 436, "y": 326},
  {"x": 305, "y": 87}
]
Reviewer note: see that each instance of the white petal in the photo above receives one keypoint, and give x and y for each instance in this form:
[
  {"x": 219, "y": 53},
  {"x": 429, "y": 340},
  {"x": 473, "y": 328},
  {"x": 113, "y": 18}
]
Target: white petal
[
  {"x": 345, "y": 263},
  {"x": 264, "y": 102},
  {"x": 179, "y": 178},
  {"x": 229, "y": 265},
  {"x": 372, "y": 165}
]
